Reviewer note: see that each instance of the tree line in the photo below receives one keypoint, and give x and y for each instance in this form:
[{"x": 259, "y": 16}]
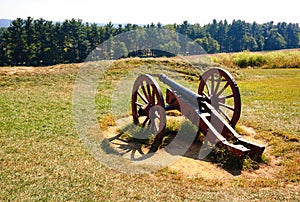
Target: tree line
[{"x": 40, "y": 42}]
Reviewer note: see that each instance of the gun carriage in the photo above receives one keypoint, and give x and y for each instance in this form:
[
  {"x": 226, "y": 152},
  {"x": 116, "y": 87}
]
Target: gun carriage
[{"x": 215, "y": 109}]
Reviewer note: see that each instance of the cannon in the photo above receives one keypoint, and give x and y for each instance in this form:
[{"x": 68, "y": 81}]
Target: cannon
[{"x": 215, "y": 109}]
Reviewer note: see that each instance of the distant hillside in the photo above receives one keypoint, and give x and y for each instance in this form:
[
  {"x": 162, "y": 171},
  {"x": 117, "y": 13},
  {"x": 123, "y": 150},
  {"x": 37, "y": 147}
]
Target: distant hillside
[{"x": 5, "y": 22}]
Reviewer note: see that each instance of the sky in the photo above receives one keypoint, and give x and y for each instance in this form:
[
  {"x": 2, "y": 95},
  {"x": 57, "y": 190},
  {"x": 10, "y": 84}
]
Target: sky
[{"x": 146, "y": 12}]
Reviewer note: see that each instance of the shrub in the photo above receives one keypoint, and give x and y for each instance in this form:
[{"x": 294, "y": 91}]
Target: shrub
[
  {"x": 247, "y": 59},
  {"x": 273, "y": 59}
]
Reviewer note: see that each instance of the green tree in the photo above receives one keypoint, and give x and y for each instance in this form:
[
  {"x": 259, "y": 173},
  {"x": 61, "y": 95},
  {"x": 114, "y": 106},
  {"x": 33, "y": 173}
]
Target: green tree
[
  {"x": 222, "y": 36},
  {"x": 209, "y": 44},
  {"x": 292, "y": 36},
  {"x": 184, "y": 30},
  {"x": 2, "y": 30},
  {"x": 43, "y": 42},
  {"x": 213, "y": 29},
  {"x": 75, "y": 41},
  {"x": 249, "y": 43},
  {"x": 196, "y": 31},
  {"x": 14, "y": 42},
  {"x": 275, "y": 41},
  {"x": 119, "y": 49},
  {"x": 109, "y": 32},
  {"x": 4, "y": 53},
  {"x": 171, "y": 46},
  {"x": 29, "y": 42},
  {"x": 236, "y": 34},
  {"x": 256, "y": 33},
  {"x": 93, "y": 36}
]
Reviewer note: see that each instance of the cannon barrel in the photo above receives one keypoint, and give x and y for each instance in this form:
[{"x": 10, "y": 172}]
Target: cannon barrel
[{"x": 193, "y": 97}]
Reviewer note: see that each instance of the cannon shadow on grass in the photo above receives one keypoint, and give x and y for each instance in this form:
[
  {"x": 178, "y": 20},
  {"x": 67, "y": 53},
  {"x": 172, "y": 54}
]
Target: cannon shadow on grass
[{"x": 125, "y": 143}]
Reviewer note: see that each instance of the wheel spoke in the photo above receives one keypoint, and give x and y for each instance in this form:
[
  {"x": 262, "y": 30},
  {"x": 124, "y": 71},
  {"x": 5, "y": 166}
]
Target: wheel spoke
[
  {"x": 223, "y": 98},
  {"x": 229, "y": 96},
  {"x": 138, "y": 104},
  {"x": 212, "y": 84},
  {"x": 155, "y": 100},
  {"x": 224, "y": 114},
  {"x": 204, "y": 93},
  {"x": 142, "y": 97},
  {"x": 208, "y": 89},
  {"x": 153, "y": 97},
  {"x": 226, "y": 106},
  {"x": 224, "y": 88},
  {"x": 144, "y": 123},
  {"x": 149, "y": 93},
  {"x": 218, "y": 83},
  {"x": 145, "y": 93},
  {"x": 140, "y": 151}
]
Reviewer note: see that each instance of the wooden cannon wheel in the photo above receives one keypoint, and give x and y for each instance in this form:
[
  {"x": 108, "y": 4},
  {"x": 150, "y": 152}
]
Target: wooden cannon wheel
[
  {"x": 220, "y": 89},
  {"x": 148, "y": 106}
]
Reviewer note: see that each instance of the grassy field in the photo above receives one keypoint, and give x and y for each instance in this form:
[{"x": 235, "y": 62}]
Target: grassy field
[
  {"x": 42, "y": 158},
  {"x": 272, "y": 59}
]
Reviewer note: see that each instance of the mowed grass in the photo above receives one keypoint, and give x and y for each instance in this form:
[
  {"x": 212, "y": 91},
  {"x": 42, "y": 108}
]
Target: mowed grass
[{"x": 42, "y": 158}]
